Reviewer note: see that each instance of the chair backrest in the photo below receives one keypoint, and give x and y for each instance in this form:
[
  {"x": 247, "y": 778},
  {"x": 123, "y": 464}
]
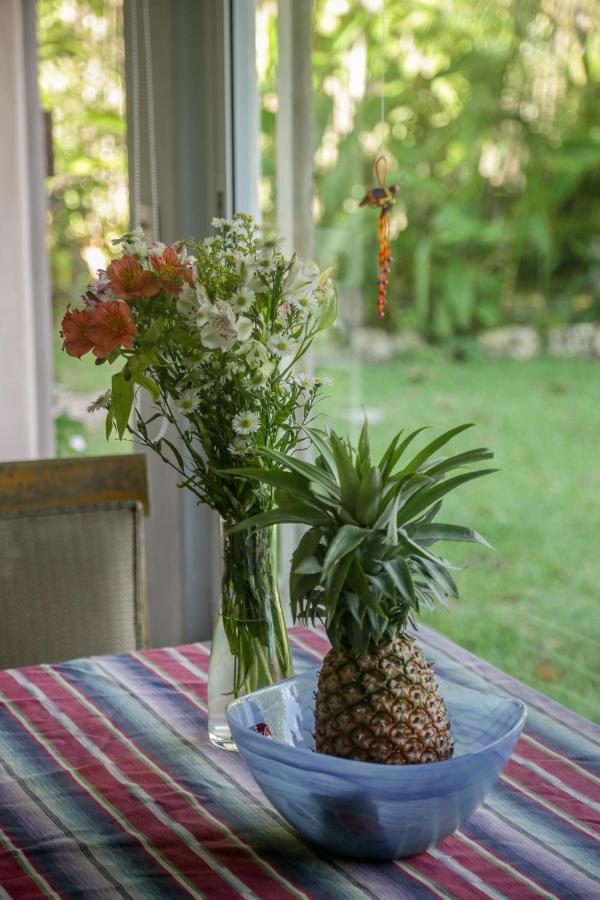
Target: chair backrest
[{"x": 72, "y": 566}]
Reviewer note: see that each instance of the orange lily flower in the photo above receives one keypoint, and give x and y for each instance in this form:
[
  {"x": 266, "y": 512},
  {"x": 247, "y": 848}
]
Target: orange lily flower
[
  {"x": 170, "y": 270},
  {"x": 111, "y": 327},
  {"x": 128, "y": 280},
  {"x": 75, "y": 331}
]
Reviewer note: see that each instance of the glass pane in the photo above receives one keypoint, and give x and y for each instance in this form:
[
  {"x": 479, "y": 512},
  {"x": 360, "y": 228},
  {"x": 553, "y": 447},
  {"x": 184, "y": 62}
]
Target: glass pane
[
  {"x": 81, "y": 80},
  {"x": 490, "y": 128}
]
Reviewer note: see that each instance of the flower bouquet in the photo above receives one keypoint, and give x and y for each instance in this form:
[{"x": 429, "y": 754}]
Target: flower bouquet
[{"x": 213, "y": 331}]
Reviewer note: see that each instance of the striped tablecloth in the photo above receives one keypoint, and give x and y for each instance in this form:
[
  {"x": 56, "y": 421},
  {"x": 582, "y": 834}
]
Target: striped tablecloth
[{"x": 110, "y": 788}]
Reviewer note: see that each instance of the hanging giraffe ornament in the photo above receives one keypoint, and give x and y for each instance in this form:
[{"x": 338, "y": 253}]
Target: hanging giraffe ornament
[{"x": 382, "y": 198}]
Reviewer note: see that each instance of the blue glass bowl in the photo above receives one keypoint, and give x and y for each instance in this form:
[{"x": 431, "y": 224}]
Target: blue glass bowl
[{"x": 366, "y": 810}]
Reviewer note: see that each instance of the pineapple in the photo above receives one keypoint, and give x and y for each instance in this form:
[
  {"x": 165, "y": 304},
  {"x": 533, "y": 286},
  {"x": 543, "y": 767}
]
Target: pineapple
[{"x": 365, "y": 568}]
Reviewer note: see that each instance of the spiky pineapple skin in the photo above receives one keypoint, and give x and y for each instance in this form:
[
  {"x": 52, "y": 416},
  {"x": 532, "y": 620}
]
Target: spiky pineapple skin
[{"x": 383, "y": 707}]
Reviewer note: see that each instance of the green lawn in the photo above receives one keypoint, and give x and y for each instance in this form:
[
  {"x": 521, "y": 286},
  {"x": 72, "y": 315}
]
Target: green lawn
[{"x": 530, "y": 607}]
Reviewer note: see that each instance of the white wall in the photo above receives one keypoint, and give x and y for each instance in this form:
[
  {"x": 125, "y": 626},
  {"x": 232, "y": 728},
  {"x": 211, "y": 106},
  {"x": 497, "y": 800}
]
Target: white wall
[{"x": 25, "y": 318}]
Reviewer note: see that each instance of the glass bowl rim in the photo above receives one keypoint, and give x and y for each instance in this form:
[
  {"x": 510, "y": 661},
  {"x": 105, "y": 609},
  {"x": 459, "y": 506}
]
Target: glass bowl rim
[{"x": 283, "y": 752}]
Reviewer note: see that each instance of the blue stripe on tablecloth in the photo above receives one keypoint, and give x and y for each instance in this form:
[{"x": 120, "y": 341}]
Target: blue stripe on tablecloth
[
  {"x": 552, "y": 867},
  {"x": 67, "y": 835},
  {"x": 221, "y": 786},
  {"x": 171, "y": 729}
]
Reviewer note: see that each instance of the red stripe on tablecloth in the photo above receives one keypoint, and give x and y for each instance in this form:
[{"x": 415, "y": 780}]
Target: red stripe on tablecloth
[
  {"x": 559, "y": 769},
  {"x": 13, "y": 876},
  {"x": 94, "y": 773},
  {"x": 491, "y": 873},
  {"x": 585, "y": 772},
  {"x": 553, "y": 794},
  {"x": 195, "y": 656},
  {"x": 177, "y": 671},
  {"x": 216, "y": 841},
  {"x": 443, "y": 877},
  {"x": 313, "y": 639}
]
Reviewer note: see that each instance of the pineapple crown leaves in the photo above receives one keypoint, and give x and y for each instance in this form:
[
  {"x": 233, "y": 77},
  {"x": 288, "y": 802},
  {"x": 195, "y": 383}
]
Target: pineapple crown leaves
[{"x": 366, "y": 565}]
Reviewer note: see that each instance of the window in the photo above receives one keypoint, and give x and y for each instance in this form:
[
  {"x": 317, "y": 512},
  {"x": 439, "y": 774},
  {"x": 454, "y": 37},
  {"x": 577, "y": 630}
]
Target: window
[
  {"x": 81, "y": 81},
  {"x": 494, "y": 293}
]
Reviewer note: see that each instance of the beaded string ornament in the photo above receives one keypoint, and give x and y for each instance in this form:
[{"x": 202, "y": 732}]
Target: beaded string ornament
[{"x": 382, "y": 198}]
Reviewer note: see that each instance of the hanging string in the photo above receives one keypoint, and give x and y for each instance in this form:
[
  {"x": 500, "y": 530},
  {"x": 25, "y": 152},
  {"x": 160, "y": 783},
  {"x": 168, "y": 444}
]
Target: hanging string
[
  {"x": 382, "y": 82},
  {"x": 151, "y": 119},
  {"x": 136, "y": 201},
  {"x": 381, "y": 197}
]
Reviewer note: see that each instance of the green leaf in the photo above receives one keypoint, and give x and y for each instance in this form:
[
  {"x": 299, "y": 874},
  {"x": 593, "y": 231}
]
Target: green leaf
[
  {"x": 336, "y": 583},
  {"x": 347, "y": 539},
  {"x": 397, "y": 454},
  {"x": 363, "y": 456},
  {"x": 438, "y": 531},
  {"x": 346, "y": 472},
  {"x": 434, "y": 445},
  {"x": 328, "y": 313},
  {"x": 309, "y": 566},
  {"x": 306, "y": 548},
  {"x": 284, "y": 481},
  {"x": 121, "y": 401},
  {"x": 148, "y": 383},
  {"x": 426, "y": 497},
  {"x": 300, "y": 515},
  {"x": 455, "y": 462},
  {"x": 369, "y": 496},
  {"x": 399, "y": 572},
  {"x": 306, "y": 469},
  {"x": 108, "y": 424},
  {"x": 320, "y": 440}
]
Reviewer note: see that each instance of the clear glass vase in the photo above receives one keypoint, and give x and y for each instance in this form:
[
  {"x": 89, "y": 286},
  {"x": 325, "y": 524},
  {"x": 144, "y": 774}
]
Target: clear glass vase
[{"x": 250, "y": 646}]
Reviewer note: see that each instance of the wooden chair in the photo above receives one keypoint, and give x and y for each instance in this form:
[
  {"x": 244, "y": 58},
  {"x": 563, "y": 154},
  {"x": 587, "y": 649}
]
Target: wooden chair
[{"x": 72, "y": 565}]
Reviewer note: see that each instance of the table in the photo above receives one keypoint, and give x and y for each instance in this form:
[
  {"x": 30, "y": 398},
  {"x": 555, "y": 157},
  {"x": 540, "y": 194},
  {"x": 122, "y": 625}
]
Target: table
[{"x": 109, "y": 787}]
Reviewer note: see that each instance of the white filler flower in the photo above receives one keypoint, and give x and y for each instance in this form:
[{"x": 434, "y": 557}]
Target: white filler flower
[
  {"x": 279, "y": 345},
  {"x": 242, "y": 299},
  {"x": 188, "y": 401},
  {"x": 246, "y": 423}
]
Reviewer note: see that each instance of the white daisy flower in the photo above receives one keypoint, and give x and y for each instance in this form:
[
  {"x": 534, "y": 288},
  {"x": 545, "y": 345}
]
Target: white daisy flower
[
  {"x": 304, "y": 381},
  {"x": 188, "y": 400},
  {"x": 279, "y": 345},
  {"x": 323, "y": 379},
  {"x": 305, "y": 302},
  {"x": 220, "y": 223},
  {"x": 272, "y": 241},
  {"x": 246, "y": 422},
  {"x": 243, "y": 299}
]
